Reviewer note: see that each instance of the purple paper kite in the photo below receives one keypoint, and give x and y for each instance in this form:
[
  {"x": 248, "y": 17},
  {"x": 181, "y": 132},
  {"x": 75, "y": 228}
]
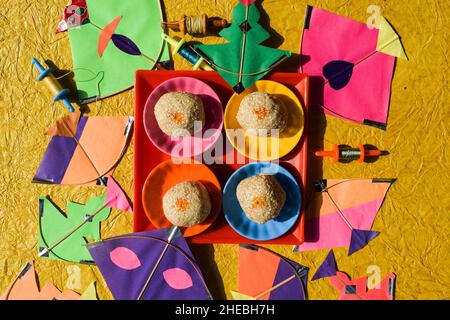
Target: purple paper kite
[{"x": 126, "y": 263}]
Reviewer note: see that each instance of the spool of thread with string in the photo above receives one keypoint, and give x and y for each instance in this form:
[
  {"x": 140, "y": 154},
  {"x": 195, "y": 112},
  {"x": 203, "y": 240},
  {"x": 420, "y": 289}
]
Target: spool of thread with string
[
  {"x": 187, "y": 52},
  {"x": 346, "y": 154},
  {"x": 59, "y": 93},
  {"x": 196, "y": 25}
]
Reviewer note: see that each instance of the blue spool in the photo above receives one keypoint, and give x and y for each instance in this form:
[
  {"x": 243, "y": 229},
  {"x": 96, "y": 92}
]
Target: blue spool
[
  {"x": 189, "y": 54},
  {"x": 61, "y": 93}
]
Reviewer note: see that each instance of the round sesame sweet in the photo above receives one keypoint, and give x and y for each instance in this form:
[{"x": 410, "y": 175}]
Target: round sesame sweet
[
  {"x": 187, "y": 204},
  {"x": 262, "y": 112},
  {"x": 261, "y": 197},
  {"x": 177, "y": 114}
]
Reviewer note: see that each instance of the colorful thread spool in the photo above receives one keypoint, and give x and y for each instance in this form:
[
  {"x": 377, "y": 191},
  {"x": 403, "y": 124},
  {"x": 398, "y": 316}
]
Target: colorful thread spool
[
  {"x": 349, "y": 154},
  {"x": 187, "y": 52},
  {"x": 47, "y": 77},
  {"x": 196, "y": 25}
]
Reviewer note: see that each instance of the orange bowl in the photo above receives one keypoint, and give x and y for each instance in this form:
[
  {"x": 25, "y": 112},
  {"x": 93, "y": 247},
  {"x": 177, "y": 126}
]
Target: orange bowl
[{"x": 166, "y": 175}]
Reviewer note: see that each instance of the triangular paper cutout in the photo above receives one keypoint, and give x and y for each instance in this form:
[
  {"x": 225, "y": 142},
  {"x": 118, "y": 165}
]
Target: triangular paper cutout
[
  {"x": 389, "y": 42},
  {"x": 240, "y": 296},
  {"x": 360, "y": 239},
  {"x": 90, "y": 293},
  {"x": 115, "y": 196},
  {"x": 327, "y": 268}
]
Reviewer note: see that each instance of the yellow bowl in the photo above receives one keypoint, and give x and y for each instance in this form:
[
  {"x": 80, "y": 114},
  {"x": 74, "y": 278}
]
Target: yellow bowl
[{"x": 265, "y": 148}]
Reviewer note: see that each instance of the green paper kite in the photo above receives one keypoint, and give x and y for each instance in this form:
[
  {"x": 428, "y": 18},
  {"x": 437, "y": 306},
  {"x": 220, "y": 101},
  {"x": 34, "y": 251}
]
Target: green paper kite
[
  {"x": 242, "y": 61},
  {"x": 54, "y": 226},
  {"x": 120, "y": 38}
]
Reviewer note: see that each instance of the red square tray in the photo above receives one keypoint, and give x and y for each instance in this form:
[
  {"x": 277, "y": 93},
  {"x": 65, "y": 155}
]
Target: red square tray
[{"x": 147, "y": 156}]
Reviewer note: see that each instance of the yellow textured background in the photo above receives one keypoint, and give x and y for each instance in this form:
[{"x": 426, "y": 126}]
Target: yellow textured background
[{"x": 414, "y": 220}]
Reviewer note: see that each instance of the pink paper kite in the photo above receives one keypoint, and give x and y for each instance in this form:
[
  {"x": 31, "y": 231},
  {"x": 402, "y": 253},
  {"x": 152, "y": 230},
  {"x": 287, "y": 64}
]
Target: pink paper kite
[{"x": 355, "y": 76}]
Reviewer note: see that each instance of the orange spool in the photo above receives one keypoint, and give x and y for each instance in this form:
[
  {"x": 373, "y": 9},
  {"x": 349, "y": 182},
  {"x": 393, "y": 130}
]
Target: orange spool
[{"x": 168, "y": 174}]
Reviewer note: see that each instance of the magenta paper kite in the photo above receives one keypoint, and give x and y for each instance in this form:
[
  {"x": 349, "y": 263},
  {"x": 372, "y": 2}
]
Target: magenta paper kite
[
  {"x": 152, "y": 265},
  {"x": 355, "y": 64},
  {"x": 341, "y": 213}
]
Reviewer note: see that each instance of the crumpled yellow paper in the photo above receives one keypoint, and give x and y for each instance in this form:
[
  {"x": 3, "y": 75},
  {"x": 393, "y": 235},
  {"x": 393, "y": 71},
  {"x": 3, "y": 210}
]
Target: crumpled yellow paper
[{"x": 413, "y": 221}]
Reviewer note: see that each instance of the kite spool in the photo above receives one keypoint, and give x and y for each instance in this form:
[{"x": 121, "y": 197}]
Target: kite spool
[
  {"x": 187, "y": 52},
  {"x": 349, "y": 154},
  {"x": 59, "y": 93},
  {"x": 196, "y": 25}
]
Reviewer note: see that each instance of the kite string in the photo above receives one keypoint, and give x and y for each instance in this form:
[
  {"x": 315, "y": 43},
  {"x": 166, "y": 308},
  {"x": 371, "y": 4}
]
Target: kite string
[
  {"x": 212, "y": 64},
  {"x": 339, "y": 210},
  {"x": 362, "y": 59},
  {"x": 155, "y": 62},
  {"x": 193, "y": 24}
]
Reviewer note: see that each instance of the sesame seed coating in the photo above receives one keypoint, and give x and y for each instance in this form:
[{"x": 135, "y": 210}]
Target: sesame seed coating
[
  {"x": 187, "y": 204},
  {"x": 176, "y": 113},
  {"x": 262, "y": 112},
  {"x": 261, "y": 197}
]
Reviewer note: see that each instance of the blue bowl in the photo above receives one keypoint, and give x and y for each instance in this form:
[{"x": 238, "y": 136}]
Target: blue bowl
[{"x": 275, "y": 227}]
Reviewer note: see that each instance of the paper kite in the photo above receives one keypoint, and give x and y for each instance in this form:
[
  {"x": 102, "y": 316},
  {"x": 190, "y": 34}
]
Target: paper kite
[
  {"x": 242, "y": 61},
  {"x": 118, "y": 38},
  {"x": 355, "y": 289},
  {"x": 62, "y": 237},
  {"x": 264, "y": 275},
  {"x": 149, "y": 266},
  {"x": 355, "y": 63},
  {"x": 84, "y": 149},
  {"x": 341, "y": 213},
  {"x": 54, "y": 225},
  {"x": 25, "y": 287}
]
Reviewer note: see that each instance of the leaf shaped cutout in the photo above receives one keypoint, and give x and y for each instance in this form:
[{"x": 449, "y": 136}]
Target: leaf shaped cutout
[
  {"x": 125, "y": 44},
  {"x": 106, "y": 34},
  {"x": 124, "y": 258},
  {"x": 177, "y": 278},
  {"x": 338, "y": 73}
]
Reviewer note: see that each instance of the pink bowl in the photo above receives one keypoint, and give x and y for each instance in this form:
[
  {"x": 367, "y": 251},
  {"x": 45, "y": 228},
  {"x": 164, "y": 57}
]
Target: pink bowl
[{"x": 190, "y": 146}]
